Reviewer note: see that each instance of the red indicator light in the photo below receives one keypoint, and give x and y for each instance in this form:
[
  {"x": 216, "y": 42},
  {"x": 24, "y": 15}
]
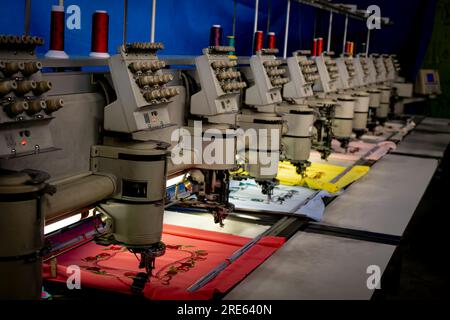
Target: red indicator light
[{"x": 23, "y": 142}]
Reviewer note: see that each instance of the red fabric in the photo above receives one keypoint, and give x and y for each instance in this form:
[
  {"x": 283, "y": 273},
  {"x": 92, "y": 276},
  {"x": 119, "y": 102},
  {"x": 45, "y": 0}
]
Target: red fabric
[{"x": 190, "y": 254}]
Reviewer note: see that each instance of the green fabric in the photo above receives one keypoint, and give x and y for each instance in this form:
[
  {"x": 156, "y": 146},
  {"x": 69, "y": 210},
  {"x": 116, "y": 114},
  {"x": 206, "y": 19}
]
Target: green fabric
[{"x": 438, "y": 57}]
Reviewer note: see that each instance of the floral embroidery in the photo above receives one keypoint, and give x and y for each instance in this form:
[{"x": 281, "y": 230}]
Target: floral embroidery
[
  {"x": 164, "y": 275},
  {"x": 316, "y": 175},
  {"x": 167, "y": 272}
]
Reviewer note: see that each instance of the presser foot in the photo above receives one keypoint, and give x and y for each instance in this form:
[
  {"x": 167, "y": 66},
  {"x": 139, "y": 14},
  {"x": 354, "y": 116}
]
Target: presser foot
[
  {"x": 148, "y": 255},
  {"x": 219, "y": 211},
  {"x": 267, "y": 187},
  {"x": 301, "y": 166},
  {"x": 324, "y": 152},
  {"x": 345, "y": 143}
]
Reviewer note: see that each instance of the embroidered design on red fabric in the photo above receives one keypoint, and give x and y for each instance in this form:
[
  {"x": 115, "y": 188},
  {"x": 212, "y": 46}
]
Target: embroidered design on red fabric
[{"x": 164, "y": 275}]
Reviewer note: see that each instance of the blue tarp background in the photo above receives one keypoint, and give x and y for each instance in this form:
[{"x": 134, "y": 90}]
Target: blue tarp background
[{"x": 183, "y": 25}]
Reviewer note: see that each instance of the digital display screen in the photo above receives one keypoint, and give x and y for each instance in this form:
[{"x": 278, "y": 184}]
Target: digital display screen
[{"x": 430, "y": 77}]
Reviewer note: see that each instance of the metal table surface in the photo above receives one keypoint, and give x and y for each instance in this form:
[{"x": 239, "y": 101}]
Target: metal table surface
[
  {"x": 434, "y": 125},
  {"x": 206, "y": 222},
  {"x": 315, "y": 266},
  {"x": 424, "y": 144},
  {"x": 385, "y": 199}
]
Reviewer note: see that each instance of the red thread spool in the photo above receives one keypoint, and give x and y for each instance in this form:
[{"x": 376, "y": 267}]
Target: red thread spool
[
  {"x": 215, "y": 36},
  {"x": 57, "y": 33},
  {"x": 271, "y": 40},
  {"x": 100, "y": 27},
  {"x": 319, "y": 46},
  {"x": 352, "y": 48},
  {"x": 347, "y": 47},
  {"x": 315, "y": 44},
  {"x": 259, "y": 39}
]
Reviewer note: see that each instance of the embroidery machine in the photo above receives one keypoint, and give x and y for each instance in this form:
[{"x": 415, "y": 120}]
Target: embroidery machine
[
  {"x": 299, "y": 114},
  {"x": 25, "y": 118},
  {"x": 335, "y": 111},
  {"x": 350, "y": 83},
  {"x": 84, "y": 140},
  {"x": 262, "y": 99},
  {"x": 215, "y": 106},
  {"x": 117, "y": 162}
]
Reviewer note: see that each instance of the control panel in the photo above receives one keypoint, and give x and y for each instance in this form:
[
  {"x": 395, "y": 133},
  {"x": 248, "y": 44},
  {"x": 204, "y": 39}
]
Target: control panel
[
  {"x": 26, "y": 110},
  {"x": 428, "y": 82},
  {"x": 269, "y": 78},
  {"x": 220, "y": 81},
  {"x": 141, "y": 88},
  {"x": 302, "y": 73}
]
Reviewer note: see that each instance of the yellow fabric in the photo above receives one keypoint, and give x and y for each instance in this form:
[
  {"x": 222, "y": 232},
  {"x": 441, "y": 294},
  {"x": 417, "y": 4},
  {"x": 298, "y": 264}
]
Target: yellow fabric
[{"x": 319, "y": 175}]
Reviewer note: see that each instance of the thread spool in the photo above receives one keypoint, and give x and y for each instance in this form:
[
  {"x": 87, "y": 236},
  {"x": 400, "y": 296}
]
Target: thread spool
[
  {"x": 31, "y": 68},
  {"x": 16, "y": 107},
  {"x": 54, "y": 105},
  {"x": 215, "y": 36},
  {"x": 42, "y": 87},
  {"x": 259, "y": 40},
  {"x": 3, "y": 39},
  {"x": 271, "y": 40},
  {"x": 315, "y": 44},
  {"x": 35, "y": 106},
  {"x": 7, "y": 87},
  {"x": 12, "y": 39},
  {"x": 57, "y": 26},
  {"x": 351, "y": 49},
  {"x": 25, "y": 86},
  {"x": 13, "y": 67},
  {"x": 100, "y": 29},
  {"x": 319, "y": 46},
  {"x": 232, "y": 44}
]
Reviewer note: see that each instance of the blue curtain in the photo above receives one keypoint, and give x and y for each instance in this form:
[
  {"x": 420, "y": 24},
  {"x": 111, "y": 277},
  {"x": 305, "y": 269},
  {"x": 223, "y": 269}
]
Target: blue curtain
[{"x": 183, "y": 25}]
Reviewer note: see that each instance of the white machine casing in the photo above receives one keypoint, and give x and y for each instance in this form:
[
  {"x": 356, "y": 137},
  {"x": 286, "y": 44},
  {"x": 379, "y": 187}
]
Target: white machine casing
[
  {"x": 328, "y": 74},
  {"x": 267, "y": 87},
  {"x": 132, "y": 112},
  {"x": 302, "y": 75},
  {"x": 218, "y": 100},
  {"x": 137, "y": 205},
  {"x": 347, "y": 73}
]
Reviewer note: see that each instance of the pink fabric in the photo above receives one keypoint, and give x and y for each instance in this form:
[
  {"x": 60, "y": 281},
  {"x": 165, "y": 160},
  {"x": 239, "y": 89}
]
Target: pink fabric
[
  {"x": 190, "y": 254},
  {"x": 357, "y": 149},
  {"x": 383, "y": 148}
]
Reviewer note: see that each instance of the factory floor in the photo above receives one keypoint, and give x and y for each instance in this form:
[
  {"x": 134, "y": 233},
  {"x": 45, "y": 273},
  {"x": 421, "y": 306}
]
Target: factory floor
[{"x": 419, "y": 269}]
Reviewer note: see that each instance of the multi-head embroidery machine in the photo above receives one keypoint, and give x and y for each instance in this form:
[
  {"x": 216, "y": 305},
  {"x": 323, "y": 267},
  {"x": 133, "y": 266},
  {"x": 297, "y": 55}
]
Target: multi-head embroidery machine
[
  {"x": 98, "y": 147},
  {"x": 109, "y": 151}
]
